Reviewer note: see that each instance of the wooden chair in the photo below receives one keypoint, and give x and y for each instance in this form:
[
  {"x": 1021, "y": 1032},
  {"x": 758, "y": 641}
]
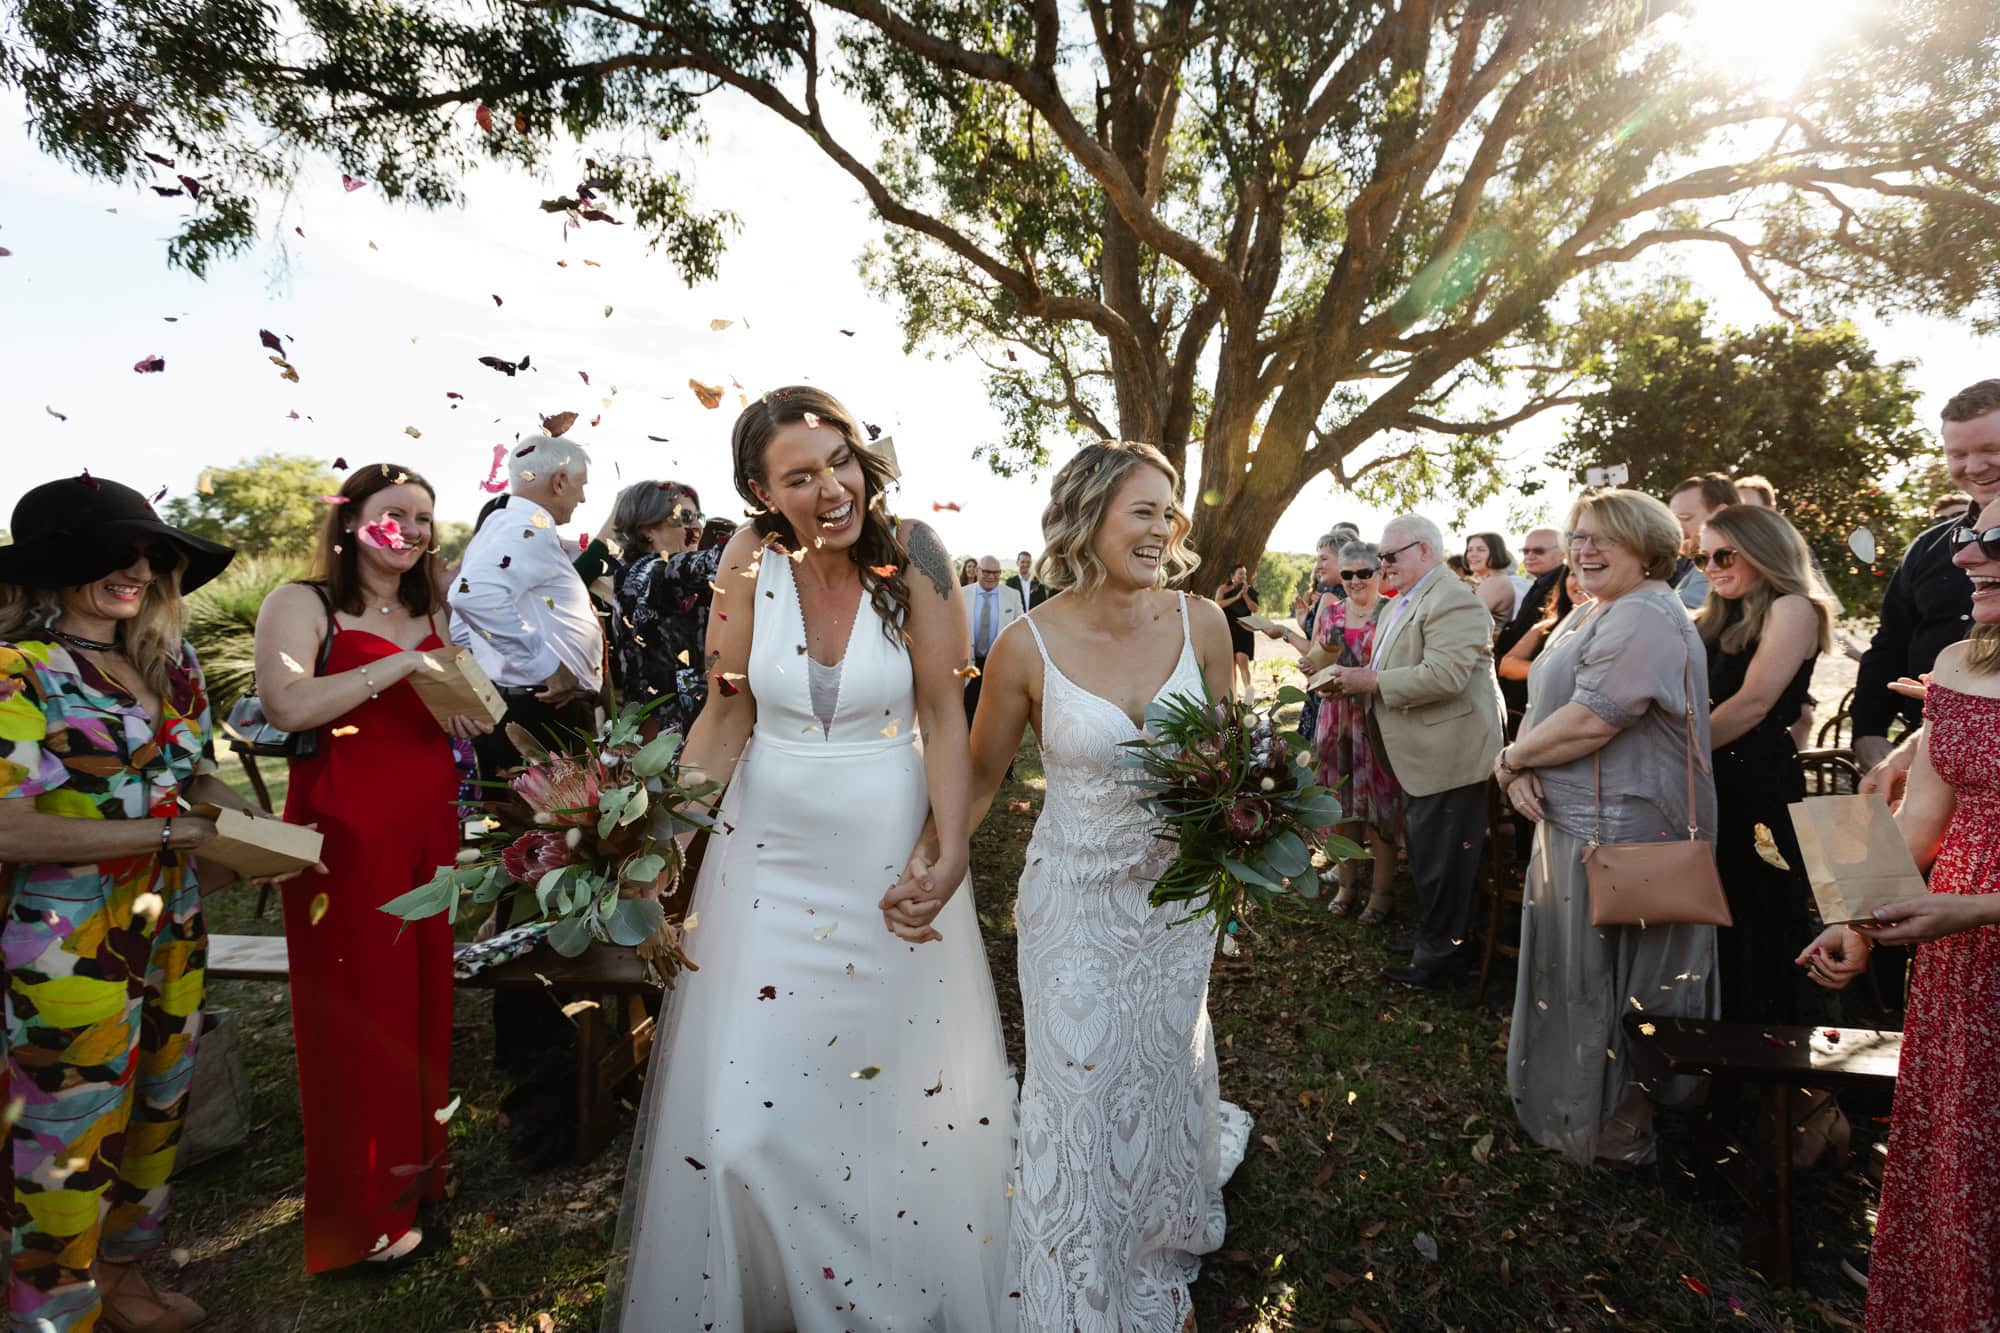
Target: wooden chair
[
  {"x": 1775, "y": 1060},
  {"x": 1502, "y": 869},
  {"x": 1830, "y": 772},
  {"x": 614, "y": 1033},
  {"x": 1837, "y": 732}
]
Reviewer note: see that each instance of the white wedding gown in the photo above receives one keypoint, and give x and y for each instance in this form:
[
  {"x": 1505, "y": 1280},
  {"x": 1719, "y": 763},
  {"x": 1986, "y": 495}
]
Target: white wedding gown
[
  {"x": 828, "y": 1119},
  {"x": 1124, "y": 1140}
]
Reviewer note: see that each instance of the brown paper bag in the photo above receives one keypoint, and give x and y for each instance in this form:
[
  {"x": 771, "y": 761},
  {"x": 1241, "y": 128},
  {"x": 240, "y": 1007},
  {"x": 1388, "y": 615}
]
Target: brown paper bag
[
  {"x": 256, "y": 845},
  {"x": 1855, "y": 856},
  {"x": 457, "y": 688}
]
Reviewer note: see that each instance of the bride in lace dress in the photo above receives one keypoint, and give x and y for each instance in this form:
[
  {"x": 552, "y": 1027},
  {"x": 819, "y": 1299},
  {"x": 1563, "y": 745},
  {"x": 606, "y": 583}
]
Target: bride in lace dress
[
  {"x": 1124, "y": 1140},
  {"x": 825, "y": 1138}
]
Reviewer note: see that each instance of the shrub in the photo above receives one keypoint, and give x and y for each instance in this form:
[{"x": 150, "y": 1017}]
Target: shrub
[{"x": 222, "y": 624}]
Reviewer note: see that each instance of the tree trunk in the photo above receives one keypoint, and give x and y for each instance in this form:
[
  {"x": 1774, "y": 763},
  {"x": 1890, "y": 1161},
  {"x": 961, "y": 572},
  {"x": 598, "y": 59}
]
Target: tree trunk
[{"x": 1233, "y": 533}]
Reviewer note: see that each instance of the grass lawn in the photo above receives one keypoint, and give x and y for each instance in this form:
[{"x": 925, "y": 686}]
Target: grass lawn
[{"x": 1387, "y": 1186}]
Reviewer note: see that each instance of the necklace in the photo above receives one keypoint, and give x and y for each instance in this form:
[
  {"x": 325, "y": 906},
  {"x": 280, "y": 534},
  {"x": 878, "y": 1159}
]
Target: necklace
[{"x": 89, "y": 645}]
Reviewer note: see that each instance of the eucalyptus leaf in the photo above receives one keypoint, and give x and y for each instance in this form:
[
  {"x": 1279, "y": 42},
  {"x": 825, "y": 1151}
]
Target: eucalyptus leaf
[
  {"x": 427, "y": 899},
  {"x": 645, "y": 869},
  {"x": 1287, "y": 853},
  {"x": 1290, "y": 694},
  {"x": 546, "y": 886},
  {"x": 634, "y": 921},
  {"x": 1247, "y": 875},
  {"x": 636, "y": 810},
  {"x": 569, "y": 937},
  {"x": 656, "y": 754}
]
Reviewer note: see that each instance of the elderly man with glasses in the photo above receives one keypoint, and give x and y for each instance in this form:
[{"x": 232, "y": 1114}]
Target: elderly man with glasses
[
  {"x": 1542, "y": 558},
  {"x": 1437, "y": 716}
]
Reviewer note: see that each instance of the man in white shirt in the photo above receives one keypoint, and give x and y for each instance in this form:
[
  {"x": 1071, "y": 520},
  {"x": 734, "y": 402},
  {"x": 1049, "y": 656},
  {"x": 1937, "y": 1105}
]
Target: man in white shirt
[
  {"x": 518, "y": 603},
  {"x": 521, "y": 607},
  {"x": 1033, "y": 594},
  {"x": 990, "y": 606}
]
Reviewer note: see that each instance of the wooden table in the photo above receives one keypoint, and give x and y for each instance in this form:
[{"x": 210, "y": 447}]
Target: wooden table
[
  {"x": 614, "y": 1035},
  {"x": 1774, "y": 1059}
]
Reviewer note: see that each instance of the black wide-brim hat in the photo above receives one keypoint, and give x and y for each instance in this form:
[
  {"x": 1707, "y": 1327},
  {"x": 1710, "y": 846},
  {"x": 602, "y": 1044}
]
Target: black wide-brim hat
[{"x": 77, "y": 530}]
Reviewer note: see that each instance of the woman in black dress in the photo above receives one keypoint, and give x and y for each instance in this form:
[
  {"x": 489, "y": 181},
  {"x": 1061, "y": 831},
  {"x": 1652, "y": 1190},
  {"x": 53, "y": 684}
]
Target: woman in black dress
[
  {"x": 1238, "y": 598},
  {"x": 1766, "y": 620}
]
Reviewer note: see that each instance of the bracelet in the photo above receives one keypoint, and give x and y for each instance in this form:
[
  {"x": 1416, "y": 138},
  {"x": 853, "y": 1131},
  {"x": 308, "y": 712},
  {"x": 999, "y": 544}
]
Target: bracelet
[
  {"x": 166, "y": 832},
  {"x": 365, "y": 680}
]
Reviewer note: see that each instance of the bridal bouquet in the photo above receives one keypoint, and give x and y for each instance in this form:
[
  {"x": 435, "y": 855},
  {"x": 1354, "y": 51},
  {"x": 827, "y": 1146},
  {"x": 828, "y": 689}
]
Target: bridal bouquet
[
  {"x": 588, "y": 836},
  {"x": 1227, "y": 786}
]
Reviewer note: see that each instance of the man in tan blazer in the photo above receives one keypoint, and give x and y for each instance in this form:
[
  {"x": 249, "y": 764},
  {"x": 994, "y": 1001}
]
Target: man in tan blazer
[{"x": 1437, "y": 720}]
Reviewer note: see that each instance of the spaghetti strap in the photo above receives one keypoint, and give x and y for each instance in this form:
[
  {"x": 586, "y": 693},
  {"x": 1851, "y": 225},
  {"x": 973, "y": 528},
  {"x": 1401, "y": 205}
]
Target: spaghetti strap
[
  {"x": 1041, "y": 647},
  {"x": 1187, "y": 634}
]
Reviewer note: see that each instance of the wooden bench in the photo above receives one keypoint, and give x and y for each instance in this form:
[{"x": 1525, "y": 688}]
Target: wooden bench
[
  {"x": 614, "y": 1035},
  {"x": 1775, "y": 1060}
]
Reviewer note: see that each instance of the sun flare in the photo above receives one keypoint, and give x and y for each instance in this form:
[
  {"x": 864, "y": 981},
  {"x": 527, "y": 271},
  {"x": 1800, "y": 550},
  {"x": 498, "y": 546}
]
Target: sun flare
[{"x": 1769, "y": 43}]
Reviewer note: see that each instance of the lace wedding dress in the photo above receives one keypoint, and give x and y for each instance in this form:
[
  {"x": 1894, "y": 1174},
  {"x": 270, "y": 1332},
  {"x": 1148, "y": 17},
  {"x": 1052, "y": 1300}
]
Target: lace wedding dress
[
  {"x": 1124, "y": 1140},
  {"x": 828, "y": 1118}
]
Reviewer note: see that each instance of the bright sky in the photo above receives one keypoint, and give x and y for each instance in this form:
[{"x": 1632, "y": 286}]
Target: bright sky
[{"x": 386, "y": 308}]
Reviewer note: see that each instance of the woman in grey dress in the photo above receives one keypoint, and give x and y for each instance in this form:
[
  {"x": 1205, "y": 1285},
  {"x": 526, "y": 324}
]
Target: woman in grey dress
[{"x": 1611, "y": 687}]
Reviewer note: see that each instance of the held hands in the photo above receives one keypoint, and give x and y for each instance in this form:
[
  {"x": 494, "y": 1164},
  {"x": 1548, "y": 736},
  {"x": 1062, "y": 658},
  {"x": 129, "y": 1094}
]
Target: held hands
[
  {"x": 1838, "y": 956},
  {"x": 914, "y": 901},
  {"x": 1524, "y": 793}
]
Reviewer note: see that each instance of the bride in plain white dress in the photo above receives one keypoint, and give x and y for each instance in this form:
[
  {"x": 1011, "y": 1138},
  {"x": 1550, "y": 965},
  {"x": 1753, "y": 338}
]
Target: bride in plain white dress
[
  {"x": 828, "y": 1118},
  {"x": 1124, "y": 1140}
]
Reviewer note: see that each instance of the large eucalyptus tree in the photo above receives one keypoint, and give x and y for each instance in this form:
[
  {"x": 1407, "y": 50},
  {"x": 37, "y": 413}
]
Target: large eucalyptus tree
[{"x": 1307, "y": 236}]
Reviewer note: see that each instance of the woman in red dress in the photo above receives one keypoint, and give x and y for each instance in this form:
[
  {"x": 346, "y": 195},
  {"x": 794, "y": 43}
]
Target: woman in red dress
[
  {"x": 371, "y": 994},
  {"x": 1935, "y": 1266}
]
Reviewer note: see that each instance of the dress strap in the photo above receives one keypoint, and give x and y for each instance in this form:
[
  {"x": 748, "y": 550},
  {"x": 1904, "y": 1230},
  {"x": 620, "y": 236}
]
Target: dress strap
[
  {"x": 1187, "y": 635},
  {"x": 1035, "y": 630}
]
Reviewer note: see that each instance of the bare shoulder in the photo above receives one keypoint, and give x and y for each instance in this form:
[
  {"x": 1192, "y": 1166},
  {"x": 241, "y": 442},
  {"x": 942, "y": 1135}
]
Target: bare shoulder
[
  {"x": 1205, "y": 617},
  {"x": 292, "y": 602},
  {"x": 741, "y": 550},
  {"x": 1953, "y": 670}
]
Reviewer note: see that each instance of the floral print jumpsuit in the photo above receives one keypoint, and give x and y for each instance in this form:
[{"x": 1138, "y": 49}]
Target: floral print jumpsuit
[{"x": 104, "y": 970}]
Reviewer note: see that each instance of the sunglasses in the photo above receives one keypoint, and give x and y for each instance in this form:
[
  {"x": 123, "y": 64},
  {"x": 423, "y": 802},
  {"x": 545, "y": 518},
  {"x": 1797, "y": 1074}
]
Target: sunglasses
[
  {"x": 160, "y": 556},
  {"x": 1988, "y": 541},
  {"x": 1389, "y": 557},
  {"x": 1722, "y": 557},
  {"x": 1357, "y": 575},
  {"x": 1537, "y": 550}
]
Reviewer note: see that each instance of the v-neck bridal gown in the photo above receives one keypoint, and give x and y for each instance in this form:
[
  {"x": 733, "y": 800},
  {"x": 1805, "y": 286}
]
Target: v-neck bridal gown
[
  {"x": 828, "y": 1119},
  {"x": 1125, "y": 1141}
]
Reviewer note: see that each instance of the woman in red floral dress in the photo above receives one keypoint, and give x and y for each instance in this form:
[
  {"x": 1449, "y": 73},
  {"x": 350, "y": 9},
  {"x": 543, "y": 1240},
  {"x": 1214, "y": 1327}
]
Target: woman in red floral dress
[{"x": 1935, "y": 1266}]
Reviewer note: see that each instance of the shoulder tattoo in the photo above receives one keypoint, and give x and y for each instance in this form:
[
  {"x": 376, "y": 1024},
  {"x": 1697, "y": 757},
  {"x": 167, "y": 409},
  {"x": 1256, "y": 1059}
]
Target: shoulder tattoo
[{"x": 927, "y": 553}]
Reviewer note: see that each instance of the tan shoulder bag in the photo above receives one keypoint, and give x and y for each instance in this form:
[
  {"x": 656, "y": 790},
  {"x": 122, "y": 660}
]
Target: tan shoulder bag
[{"x": 1654, "y": 883}]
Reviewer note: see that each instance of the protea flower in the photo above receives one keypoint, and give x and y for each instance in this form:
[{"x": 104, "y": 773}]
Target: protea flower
[
  {"x": 534, "y": 854},
  {"x": 1245, "y": 820},
  {"x": 561, "y": 791}
]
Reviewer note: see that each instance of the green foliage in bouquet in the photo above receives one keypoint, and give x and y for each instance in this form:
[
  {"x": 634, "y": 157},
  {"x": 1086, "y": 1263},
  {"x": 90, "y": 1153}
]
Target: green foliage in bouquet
[
  {"x": 1229, "y": 790},
  {"x": 587, "y": 838}
]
